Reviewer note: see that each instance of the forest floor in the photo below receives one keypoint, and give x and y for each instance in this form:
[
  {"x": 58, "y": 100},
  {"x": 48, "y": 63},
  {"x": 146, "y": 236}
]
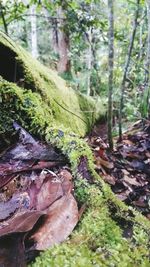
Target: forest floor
[
  {"x": 127, "y": 168},
  {"x": 37, "y": 189}
]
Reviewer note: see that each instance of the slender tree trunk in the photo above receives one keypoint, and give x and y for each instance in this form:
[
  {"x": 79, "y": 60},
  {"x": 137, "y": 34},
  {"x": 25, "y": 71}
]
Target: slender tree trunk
[
  {"x": 34, "y": 47},
  {"x": 147, "y": 76},
  {"x": 127, "y": 63},
  {"x": 63, "y": 44},
  {"x": 147, "y": 79},
  {"x": 55, "y": 41},
  {"x": 89, "y": 61},
  {"x": 3, "y": 18},
  {"x": 141, "y": 40},
  {"x": 111, "y": 66}
]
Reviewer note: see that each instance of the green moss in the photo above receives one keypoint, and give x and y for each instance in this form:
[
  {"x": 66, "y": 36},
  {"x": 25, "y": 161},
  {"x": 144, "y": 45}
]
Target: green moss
[
  {"x": 68, "y": 108},
  {"x": 23, "y": 106}
]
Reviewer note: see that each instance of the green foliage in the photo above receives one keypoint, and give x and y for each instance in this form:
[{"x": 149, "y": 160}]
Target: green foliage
[{"x": 12, "y": 10}]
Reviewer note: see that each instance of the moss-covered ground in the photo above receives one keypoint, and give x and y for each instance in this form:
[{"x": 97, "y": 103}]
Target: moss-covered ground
[{"x": 109, "y": 233}]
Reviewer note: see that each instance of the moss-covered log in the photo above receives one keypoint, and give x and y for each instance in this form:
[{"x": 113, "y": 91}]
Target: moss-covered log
[
  {"x": 36, "y": 96},
  {"x": 109, "y": 233}
]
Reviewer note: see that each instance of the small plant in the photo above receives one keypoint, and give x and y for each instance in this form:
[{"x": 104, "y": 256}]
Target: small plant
[{"x": 81, "y": 191}]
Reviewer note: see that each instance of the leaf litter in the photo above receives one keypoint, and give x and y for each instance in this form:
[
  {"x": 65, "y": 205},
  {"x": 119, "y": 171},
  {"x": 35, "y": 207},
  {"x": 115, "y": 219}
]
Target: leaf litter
[
  {"x": 37, "y": 206},
  {"x": 127, "y": 168}
]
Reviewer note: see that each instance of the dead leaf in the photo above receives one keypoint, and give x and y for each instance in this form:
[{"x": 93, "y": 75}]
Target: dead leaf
[
  {"x": 22, "y": 222},
  {"x": 61, "y": 218},
  {"x": 107, "y": 164},
  {"x": 131, "y": 181},
  {"x": 33, "y": 197},
  {"x": 42, "y": 197},
  {"x": 66, "y": 179},
  {"x": 128, "y": 142},
  {"x": 109, "y": 179},
  {"x": 124, "y": 195}
]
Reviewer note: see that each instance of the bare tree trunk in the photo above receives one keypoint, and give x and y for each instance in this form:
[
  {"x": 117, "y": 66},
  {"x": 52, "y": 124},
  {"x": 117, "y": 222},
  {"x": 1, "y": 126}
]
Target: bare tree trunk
[
  {"x": 3, "y": 18},
  {"x": 111, "y": 67},
  {"x": 34, "y": 47},
  {"x": 63, "y": 44},
  {"x": 147, "y": 76},
  {"x": 141, "y": 41},
  {"x": 147, "y": 79},
  {"x": 55, "y": 41},
  {"x": 89, "y": 61},
  {"x": 135, "y": 23}
]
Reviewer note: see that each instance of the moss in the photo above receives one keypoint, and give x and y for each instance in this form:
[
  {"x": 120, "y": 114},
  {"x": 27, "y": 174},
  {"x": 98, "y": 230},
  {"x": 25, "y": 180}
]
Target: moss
[
  {"x": 68, "y": 108},
  {"x": 23, "y": 106}
]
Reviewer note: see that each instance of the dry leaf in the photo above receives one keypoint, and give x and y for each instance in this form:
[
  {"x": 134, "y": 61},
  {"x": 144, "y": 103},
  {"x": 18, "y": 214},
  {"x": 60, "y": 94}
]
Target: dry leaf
[
  {"x": 107, "y": 164},
  {"x": 109, "y": 179},
  {"x": 131, "y": 181},
  {"x": 61, "y": 218},
  {"x": 22, "y": 222}
]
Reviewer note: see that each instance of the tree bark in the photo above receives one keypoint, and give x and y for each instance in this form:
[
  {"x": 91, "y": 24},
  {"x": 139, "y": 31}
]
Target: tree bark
[
  {"x": 63, "y": 65},
  {"x": 147, "y": 73},
  {"x": 111, "y": 66},
  {"x": 89, "y": 62},
  {"x": 55, "y": 36},
  {"x": 34, "y": 46},
  {"x": 147, "y": 78},
  {"x": 127, "y": 63}
]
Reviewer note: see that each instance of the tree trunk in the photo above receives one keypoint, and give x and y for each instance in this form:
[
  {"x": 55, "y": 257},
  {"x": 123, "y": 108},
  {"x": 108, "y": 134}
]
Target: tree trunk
[
  {"x": 135, "y": 23},
  {"x": 55, "y": 36},
  {"x": 63, "y": 44},
  {"x": 147, "y": 73},
  {"x": 147, "y": 79},
  {"x": 34, "y": 46},
  {"x": 111, "y": 65},
  {"x": 89, "y": 62}
]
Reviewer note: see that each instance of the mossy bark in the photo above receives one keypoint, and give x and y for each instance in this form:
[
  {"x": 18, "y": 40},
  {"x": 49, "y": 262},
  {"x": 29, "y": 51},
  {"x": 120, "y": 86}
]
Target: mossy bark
[{"x": 109, "y": 233}]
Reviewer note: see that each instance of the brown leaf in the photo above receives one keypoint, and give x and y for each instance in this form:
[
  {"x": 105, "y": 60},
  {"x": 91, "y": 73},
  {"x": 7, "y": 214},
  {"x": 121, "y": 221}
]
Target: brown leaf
[
  {"x": 59, "y": 223},
  {"x": 140, "y": 203},
  {"x": 22, "y": 222},
  {"x": 66, "y": 179},
  {"x": 124, "y": 195},
  {"x": 127, "y": 142},
  {"x": 49, "y": 187},
  {"x": 49, "y": 191},
  {"x": 131, "y": 181},
  {"x": 107, "y": 164},
  {"x": 109, "y": 179}
]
